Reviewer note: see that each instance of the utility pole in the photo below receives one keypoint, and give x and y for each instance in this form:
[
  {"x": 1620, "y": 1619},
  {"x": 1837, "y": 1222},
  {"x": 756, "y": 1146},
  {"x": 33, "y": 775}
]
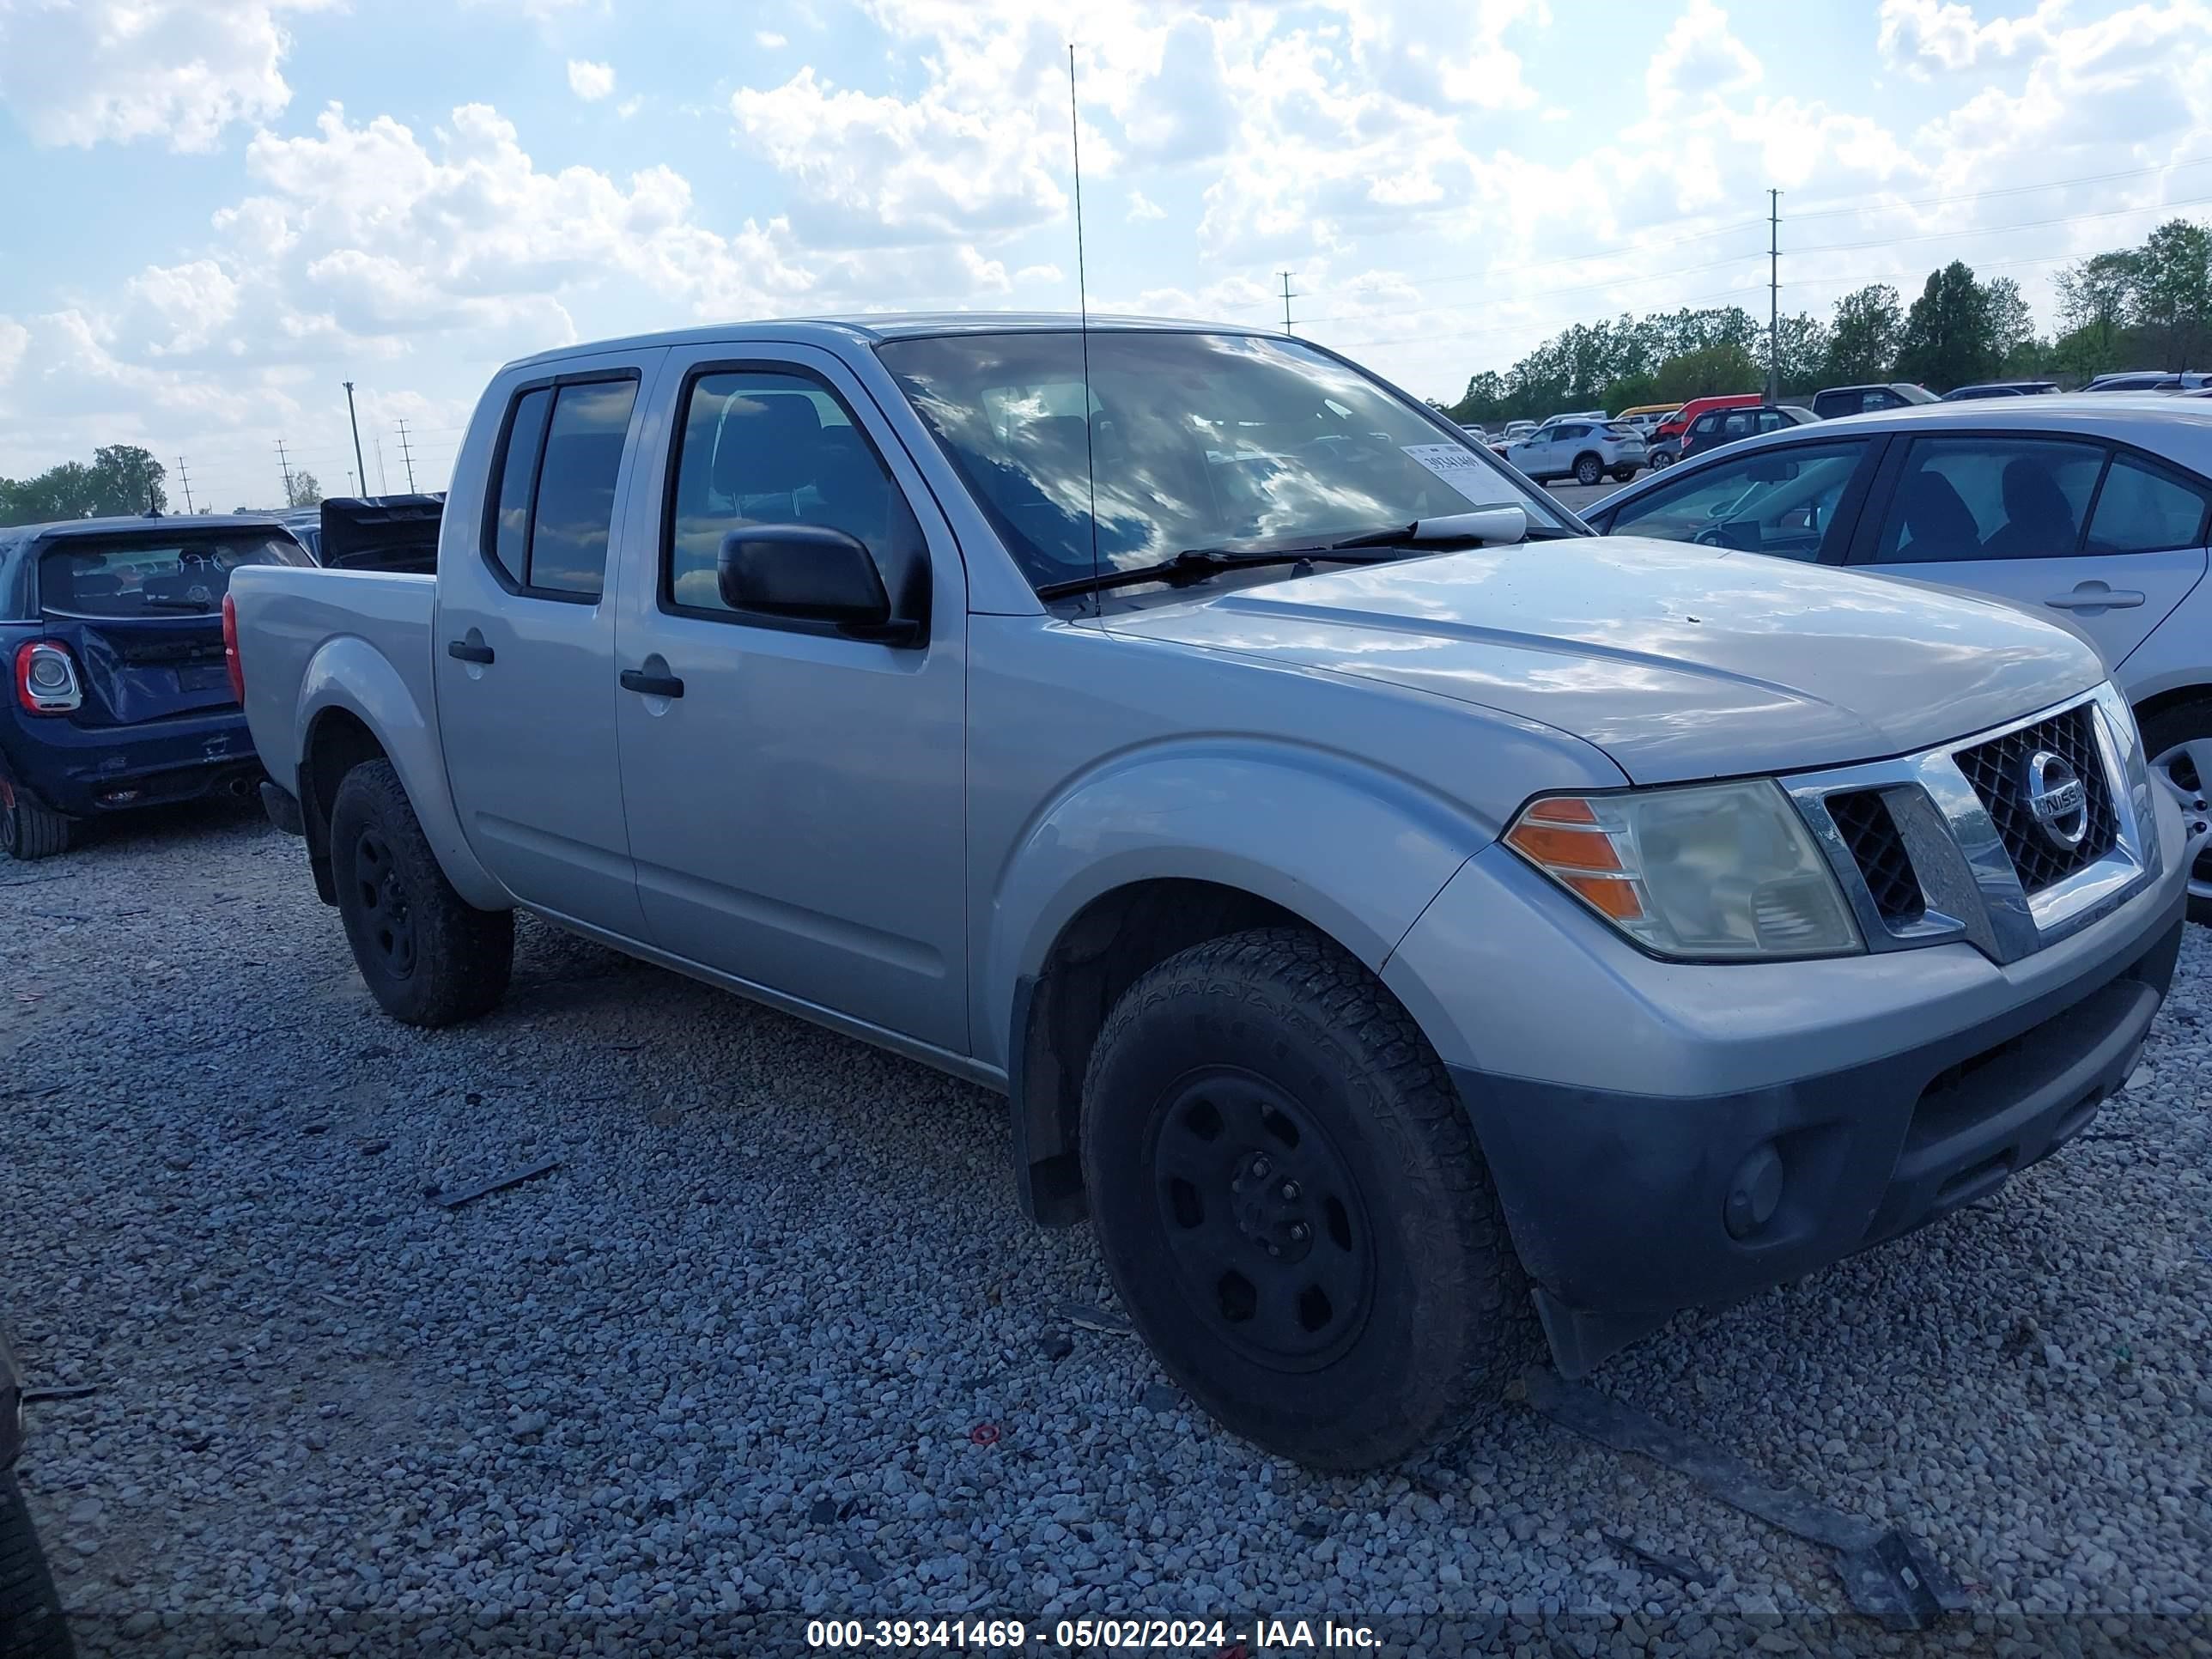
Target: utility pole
[
  {"x": 383, "y": 484},
  {"x": 1774, "y": 296},
  {"x": 355, "y": 419},
  {"x": 185, "y": 479},
  {"x": 407, "y": 455},
  {"x": 286, "y": 465},
  {"x": 1286, "y": 275}
]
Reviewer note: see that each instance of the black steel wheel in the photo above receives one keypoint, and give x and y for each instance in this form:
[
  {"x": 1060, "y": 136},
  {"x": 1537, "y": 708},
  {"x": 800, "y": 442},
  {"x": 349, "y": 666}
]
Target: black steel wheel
[
  {"x": 382, "y": 894},
  {"x": 1291, "y": 1206},
  {"x": 427, "y": 955},
  {"x": 1264, "y": 1219}
]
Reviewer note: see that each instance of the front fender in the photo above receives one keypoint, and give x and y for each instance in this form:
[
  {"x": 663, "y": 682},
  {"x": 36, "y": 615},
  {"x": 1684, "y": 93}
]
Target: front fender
[
  {"x": 1354, "y": 849},
  {"x": 349, "y": 673}
]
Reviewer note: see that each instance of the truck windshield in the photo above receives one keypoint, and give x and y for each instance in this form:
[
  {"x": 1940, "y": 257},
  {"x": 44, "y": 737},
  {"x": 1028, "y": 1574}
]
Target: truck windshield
[
  {"x": 1197, "y": 441},
  {"x": 139, "y": 574}
]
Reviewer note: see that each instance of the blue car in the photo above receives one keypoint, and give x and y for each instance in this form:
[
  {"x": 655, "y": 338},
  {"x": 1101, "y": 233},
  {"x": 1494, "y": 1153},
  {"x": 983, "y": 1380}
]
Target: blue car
[{"x": 119, "y": 693}]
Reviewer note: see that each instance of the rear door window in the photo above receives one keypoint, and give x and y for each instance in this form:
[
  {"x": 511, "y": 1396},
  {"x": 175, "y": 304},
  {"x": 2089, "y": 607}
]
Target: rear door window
[
  {"x": 2146, "y": 509},
  {"x": 1989, "y": 498},
  {"x": 553, "y": 513},
  {"x": 153, "y": 574}
]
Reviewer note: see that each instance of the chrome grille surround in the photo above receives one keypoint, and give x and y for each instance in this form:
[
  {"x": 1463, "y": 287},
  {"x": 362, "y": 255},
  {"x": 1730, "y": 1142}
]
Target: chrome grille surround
[{"x": 1971, "y": 887}]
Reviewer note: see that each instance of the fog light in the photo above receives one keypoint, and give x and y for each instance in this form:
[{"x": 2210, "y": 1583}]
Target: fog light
[{"x": 1755, "y": 1193}]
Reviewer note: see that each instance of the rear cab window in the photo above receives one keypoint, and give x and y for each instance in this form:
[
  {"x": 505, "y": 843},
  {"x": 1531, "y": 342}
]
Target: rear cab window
[
  {"x": 550, "y": 511},
  {"x": 178, "y": 573}
]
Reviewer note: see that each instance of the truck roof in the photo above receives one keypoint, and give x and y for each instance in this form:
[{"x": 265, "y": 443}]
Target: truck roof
[{"x": 888, "y": 325}]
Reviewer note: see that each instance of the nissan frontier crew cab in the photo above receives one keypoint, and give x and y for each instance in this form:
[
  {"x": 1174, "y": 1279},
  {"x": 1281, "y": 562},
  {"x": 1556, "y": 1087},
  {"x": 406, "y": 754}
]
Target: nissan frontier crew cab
[{"x": 1398, "y": 919}]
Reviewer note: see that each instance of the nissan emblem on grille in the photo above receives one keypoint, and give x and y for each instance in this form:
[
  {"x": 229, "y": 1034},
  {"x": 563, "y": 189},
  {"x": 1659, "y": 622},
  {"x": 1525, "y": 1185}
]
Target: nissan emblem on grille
[{"x": 2058, "y": 800}]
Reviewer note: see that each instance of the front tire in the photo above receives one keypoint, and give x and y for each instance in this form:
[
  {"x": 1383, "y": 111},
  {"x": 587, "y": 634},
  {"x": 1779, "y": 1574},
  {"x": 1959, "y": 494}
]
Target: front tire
[
  {"x": 2179, "y": 741},
  {"x": 1661, "y": 459},
  {"x": 1589, "y": 469},
  {"x": 32, "y": 1624},
  {"x": 29, "y": 829},
  {"x": 1291, "y": 1206},
  {"x": 427, "y": 955}
]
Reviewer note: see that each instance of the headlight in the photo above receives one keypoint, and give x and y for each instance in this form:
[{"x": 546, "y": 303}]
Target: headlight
[{"x": 1724, "y": 870}]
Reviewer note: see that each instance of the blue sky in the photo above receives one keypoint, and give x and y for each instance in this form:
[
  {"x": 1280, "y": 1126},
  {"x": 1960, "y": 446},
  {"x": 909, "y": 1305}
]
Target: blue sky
[{"x": 220, "y": 210}]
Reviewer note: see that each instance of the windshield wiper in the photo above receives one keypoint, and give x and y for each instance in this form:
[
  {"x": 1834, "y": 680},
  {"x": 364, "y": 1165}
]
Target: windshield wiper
[
  {"x": 1367, "y": 547},
  {"x": 1195, "y": 563}
]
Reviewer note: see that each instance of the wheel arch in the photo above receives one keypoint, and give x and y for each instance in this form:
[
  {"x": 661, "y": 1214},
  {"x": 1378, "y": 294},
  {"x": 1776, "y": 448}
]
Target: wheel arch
[
  {"x": 1058, "y": 1010},
  {"x": 355, "y": 706}
]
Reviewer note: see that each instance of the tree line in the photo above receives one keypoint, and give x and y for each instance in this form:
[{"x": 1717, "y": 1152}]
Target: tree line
[
  {"x": 122, "y": 481},
  {"x": 2149, "y": 307}
]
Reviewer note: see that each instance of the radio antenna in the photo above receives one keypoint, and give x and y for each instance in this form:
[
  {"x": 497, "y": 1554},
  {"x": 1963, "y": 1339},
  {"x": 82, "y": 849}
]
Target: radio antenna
[{"x": 1082, "y": 325}]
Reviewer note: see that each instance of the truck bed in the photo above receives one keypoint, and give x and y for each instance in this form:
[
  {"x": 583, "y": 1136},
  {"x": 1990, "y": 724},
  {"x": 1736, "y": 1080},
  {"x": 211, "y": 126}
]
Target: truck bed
[{"x": 292, "y": 623}]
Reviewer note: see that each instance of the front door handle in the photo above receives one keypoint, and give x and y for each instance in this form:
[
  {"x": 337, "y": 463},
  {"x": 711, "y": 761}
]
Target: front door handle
[
  {"x": 2095, "y": 598},
  {"x": 651, "y": 686},
  {"x": 469, "y": 650}
]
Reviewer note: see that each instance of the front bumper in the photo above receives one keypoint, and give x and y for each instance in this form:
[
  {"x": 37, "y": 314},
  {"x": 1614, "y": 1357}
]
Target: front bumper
[
  {"x": 1667, "y": 1135},
  {"x": 88, "y": 770}
]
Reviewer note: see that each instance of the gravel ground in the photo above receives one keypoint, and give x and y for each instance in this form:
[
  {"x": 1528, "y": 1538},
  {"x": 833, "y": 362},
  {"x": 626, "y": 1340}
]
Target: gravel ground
[{"x": 738, "y": 1359}]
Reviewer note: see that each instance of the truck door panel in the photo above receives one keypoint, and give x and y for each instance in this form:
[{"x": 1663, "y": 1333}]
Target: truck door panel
[
  {"x": 523, "y": 652},
  {"x": 797, "y": 812}
]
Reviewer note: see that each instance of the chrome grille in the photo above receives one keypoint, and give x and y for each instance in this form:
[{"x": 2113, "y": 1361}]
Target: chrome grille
[
  {"x": 1870, "y": 837},
  {"x": 1943, "y": 844},
  {"x": 1998, "y": 770}
]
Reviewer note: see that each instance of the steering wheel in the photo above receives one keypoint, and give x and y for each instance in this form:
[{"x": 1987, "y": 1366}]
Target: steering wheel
[{"x": 1709, "y": 536}]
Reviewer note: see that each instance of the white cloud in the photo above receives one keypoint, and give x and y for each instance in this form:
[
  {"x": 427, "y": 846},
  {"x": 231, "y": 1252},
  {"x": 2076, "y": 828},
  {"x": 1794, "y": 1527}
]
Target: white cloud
[
  {"x": 1701, "y": 56},
  {"x": 118, "y": 70},
  {"x": 590, "y": 82},
  {"x": 769, "y": 40},
  {"x": 1142, "y": 207},
  {"x": 1038, "y": 274},
  {"x": 1917, "y": 33},
  {"x": 876, "y": 169}
]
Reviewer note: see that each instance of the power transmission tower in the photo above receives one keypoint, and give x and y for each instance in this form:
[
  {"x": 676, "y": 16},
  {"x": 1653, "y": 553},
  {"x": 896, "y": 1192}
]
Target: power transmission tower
[
  {"x": 185, "y": 479},
  {"x": 355, "y": 419},
  {"x": 1286, "y": 275},
  {"x": 1774, "y": 296},
  {"x": 407, "y": 455},
  {"x": 286, "y": 465}
]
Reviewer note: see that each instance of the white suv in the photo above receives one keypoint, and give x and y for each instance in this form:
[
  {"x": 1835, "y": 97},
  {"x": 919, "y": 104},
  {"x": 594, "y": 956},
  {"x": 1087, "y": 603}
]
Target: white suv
[{"x": 1577, "y": 447}]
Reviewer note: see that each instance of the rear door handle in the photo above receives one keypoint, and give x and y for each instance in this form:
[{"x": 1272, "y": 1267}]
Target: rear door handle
[
  {"x": 2095, "y": 598},
  {"x": 651, "y": 686},
  {"x": 468, "y": 651}
]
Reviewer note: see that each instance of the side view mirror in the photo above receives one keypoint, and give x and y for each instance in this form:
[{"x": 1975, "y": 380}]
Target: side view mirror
[{"x": 811, "y": 573}]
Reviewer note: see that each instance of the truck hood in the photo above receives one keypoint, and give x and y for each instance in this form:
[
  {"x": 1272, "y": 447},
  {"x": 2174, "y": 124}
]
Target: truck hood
[{"x": 1681, "y": 662}]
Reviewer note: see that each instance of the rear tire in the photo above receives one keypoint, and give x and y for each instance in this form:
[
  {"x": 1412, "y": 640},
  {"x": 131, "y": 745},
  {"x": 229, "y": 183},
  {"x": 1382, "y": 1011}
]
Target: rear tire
[
  {"x": 427, "y": 955},
  {"x": 29, "y": 829},
  {"x": 1589, "y": 469},
  {"x": 1623, "y": 474},
  {"x": 32, "y": 1624},
  {"x": 1291, "y": 1206},
  {"x": 2171, "y": 737}
]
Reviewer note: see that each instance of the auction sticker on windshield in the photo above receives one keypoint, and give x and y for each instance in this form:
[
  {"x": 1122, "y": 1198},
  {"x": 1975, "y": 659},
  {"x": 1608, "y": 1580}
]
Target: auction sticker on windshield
[{"x": 1463, "y": 470}]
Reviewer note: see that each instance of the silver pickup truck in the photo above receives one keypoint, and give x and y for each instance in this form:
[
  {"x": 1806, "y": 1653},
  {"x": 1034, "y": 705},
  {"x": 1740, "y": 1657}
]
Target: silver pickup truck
[{"x": 1392, "y": 912}]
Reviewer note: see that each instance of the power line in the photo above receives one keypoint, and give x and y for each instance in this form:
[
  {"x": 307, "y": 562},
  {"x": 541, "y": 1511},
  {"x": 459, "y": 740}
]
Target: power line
[
  {"x": 2002, "y": 189},
  {"x": 1995, "y": 230},
  {"x": 1286, "y": 275}
]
